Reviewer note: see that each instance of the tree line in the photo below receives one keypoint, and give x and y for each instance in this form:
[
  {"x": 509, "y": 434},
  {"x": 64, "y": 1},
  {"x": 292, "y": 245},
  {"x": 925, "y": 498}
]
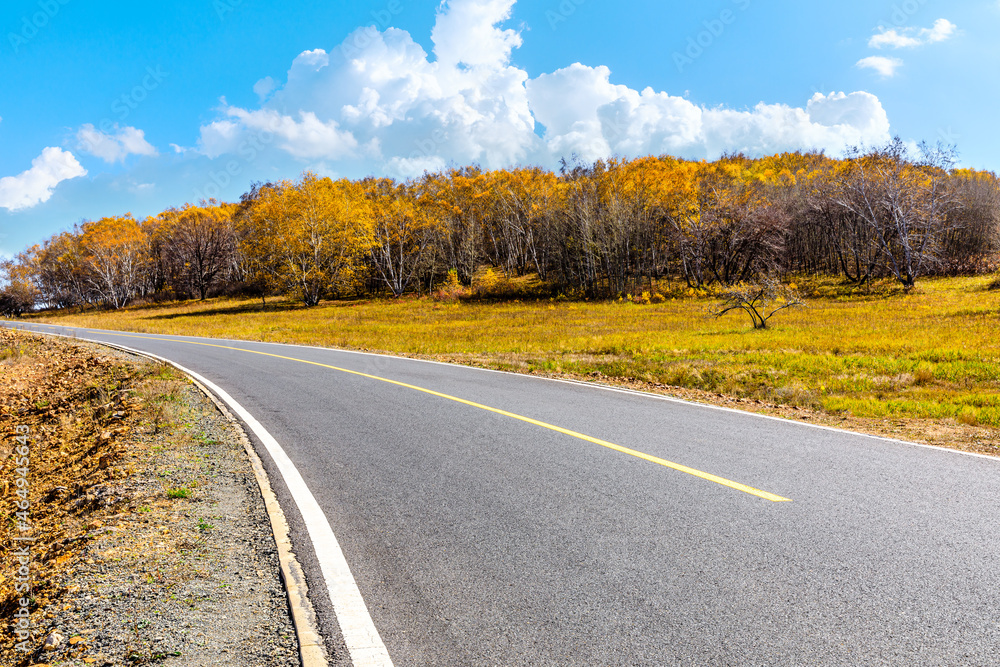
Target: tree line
[{"x": 589, "y": 230}]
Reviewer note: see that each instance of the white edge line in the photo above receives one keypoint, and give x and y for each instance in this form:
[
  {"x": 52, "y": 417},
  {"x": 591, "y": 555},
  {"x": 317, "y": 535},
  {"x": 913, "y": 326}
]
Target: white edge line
[
  {"x": 580, "y": 383},
  {"x": 362, "y": 638},
  {"x": 312, "y": 650}
]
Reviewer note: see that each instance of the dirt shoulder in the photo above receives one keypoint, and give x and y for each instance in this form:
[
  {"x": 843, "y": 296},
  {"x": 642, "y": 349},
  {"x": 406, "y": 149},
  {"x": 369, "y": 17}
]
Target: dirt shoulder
[{"x": 151, "y": 541}]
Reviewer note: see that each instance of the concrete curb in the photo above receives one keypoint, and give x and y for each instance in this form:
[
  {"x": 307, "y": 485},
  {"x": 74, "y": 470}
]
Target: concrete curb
[{"x": 312, "y": 650}]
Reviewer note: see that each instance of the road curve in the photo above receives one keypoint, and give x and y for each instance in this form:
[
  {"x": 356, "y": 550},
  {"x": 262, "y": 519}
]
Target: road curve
[{"x": 499, "y": 519}]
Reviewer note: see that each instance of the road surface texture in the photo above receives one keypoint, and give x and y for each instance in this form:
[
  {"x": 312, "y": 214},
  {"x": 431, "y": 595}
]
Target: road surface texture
[{"x": 498, "y": 519}]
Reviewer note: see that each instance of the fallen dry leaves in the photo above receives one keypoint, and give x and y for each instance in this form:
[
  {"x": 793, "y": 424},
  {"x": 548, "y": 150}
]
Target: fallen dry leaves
[{"x": 79, "y": 406}]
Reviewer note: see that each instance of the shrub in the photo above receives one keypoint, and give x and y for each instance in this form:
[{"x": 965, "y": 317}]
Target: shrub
[{"x": 761, "y": 301}]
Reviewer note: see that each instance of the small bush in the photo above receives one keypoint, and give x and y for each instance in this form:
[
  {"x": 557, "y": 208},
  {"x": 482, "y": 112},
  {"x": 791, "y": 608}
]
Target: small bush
[
  {"x": 179, "y": 492},
  {"x": 968, "y": 416},
  {"x": 760, "y": 300},
  {"x": 12, "y": 351},
  {"x": 452, "y": 288},
  {"x": 923, "y": 375}
]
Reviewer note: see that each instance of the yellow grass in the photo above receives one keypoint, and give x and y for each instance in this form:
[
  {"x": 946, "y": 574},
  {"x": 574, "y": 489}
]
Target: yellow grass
[{"x": 932, "y": 354}]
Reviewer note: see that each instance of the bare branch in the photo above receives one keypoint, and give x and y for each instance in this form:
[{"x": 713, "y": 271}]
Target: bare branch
[{"x": 760, "y": 300}]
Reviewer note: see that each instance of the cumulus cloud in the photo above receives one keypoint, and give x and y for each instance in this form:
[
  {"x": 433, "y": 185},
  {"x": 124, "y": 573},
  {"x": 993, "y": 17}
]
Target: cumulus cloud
[
  {"x": 466, "y": 33},
  {"x": 35, "y": 185},
  {"x": 894, "y": 39},
  {"x": 886, "y": 67},
  {"x": 379, "y": 103},
  {"x": 113, "y": 146},
  {"x": 304, "y": 137},
  {"x": 585, "y": 114},
  {"x": 906, "y": 38}
]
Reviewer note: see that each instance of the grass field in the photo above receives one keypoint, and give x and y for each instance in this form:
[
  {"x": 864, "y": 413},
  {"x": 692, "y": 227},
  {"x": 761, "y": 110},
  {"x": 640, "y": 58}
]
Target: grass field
[{"x": 933, "y": 354}]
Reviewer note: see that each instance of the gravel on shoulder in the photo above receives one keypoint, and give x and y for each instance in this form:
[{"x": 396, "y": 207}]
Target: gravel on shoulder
[{"x": 160, "y": 548}]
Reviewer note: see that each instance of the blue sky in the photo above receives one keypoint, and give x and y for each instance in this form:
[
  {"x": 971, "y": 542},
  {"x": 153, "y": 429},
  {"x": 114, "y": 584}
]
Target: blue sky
[{"x": 114, "y": 107}]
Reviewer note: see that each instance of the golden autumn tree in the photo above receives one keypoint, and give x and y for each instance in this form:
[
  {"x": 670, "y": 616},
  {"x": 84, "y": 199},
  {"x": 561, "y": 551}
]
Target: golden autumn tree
[
  {"x": 747, "y": 231},
  {"x": 257, "y": 223},
  {"x": 60, "y": 273},
  {"x": 402, "y": 230},
  {"x": 18, "y": 293},
  {"x": 313, "y": 235},
  {"x": 615, "y": 226},
  {"x": 725, "y": 228},
  {"x": 676, "y": 196},
  {"x": 116, "y": 259},
  {"x": 519, "y": 217},
  {"x": 197, "y": 246},
  {"x": 451, "y": 201}
]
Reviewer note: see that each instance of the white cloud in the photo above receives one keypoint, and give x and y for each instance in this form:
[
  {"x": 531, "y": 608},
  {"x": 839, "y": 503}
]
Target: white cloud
[
  {"x": 35, "y": 185},
  {"x": 894, "y": 39},
  {"x": 466, "y": 33},
  {"x": 942, "y": 30},
  {"x": 307, "y": 137},
  {"x": 584, "y": 113},
  {"x": 886, "y": 67},
  {"x": 113, "y": 147},
  {"x": 380, "y": 104},
  {"x": 905, "y": 38},
  {"x": 264, "y": 87}
]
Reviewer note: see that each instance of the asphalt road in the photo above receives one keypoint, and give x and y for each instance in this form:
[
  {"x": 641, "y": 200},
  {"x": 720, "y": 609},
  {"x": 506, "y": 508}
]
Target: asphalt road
[{"x": 479, "y": 538}]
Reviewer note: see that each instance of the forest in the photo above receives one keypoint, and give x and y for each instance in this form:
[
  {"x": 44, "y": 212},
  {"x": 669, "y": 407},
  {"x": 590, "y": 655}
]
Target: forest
[{"x": 596, "y": 231}]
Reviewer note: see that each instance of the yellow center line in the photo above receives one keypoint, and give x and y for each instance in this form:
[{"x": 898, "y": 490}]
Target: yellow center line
[{"x": 551, "y": 427}]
